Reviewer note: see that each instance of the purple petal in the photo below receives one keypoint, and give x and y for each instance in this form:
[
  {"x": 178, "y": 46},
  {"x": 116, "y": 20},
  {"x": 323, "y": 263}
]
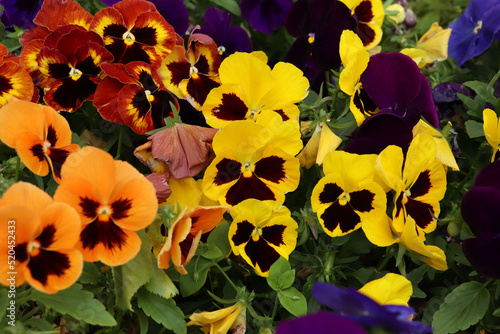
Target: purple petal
[
  {"x": 265, "y": 15},
  {"x": 484, "y": 255},
  {"x": 423, "y": 105},
  {"x": 447, "y": 92},
  {"x": 489, "y": 176},
  {"x": 299, "y": 52},
  {"x": 20, "y": 12},
  {"x": 319, "y": 323},
  {"x": 348, "y": 301},
  {"x": 481, "y": 211}
]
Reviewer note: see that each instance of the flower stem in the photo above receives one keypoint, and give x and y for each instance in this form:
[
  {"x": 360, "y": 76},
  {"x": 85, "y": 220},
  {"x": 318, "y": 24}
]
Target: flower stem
[
  {"x": 226, "y": 276},
  {"x": 120, "y": 142},
  {"x": 383, "y": 264}
]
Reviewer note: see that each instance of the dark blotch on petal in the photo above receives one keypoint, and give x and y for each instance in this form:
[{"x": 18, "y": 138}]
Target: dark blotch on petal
[
  {"x": 185, "y": 245},
  {"x": 227, "y": 171},
  {"x": 179, "y": 72},
  {"x": 284, "y": 116},
  {"x": 51, "y": 135},
  {"x": 261, "y": 254},
  {"x": 59, "y": 71},
  {"x": 340, "y": 215},
  {"x": 145, "y": 35},
  {"x": 89, "y": 207},
  {"x": 21, "y": 252},
  {"x": 421, "y": 212},
  {"x": 243, "y": 232},
  {"x": 5, "y": 84},
  {"x": 37, "y": 151},
  {"x": 47, "y": 237},
  {"x": 330, "y": 193},
  {"x": 249, "y": 187},
  {"x": 58, "y": 157},
  {"x": 120, "y": 208},
  {"x": 274, "y": 234},
  {"x": 362, "y": 200},
  {"x": 422, "y": 185},
  {"x": 202, "y": 65},
  {"x": 271, "y": 168},
  {"x": 106, "y": 233},
  {"x": 232, "y": 108},
  {"x": 48, "y": 263},
  {"x": 199, "y": 87}
]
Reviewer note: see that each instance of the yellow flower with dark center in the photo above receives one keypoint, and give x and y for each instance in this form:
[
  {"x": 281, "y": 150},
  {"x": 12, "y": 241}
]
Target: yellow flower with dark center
[
  {"x": 348, "y": 196},
  {"x": 261, "y": 232},
  {"x": 253, "y": 161},
  {"x": 370, "y": 16}
]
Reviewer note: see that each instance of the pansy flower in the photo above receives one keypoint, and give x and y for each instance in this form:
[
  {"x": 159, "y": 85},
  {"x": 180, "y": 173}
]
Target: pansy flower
[
  {"x": 481, "y": 212},
  {"x": 174, "y": 11},
  {"x": 231, "y": 319},
  {"x": 113, "y": 201},
  {"x": 473, "y": 31},
  {"x": 134, "y": 94},
  {"x": 71, "y": 68},
  {"x": 370, "y": 16},
  {"x": 249, "y": 86},
  {"x": 253, "y": 161},
  {"x": 365, "y": 311},
  {"x": 19, "y": 13},
  {"x": 15, "y": 81},
  {"x": 348, "y": 197},
  {"x": 317, "y": 26},
  {"x": 229, "y": 39},
  {"x": 491, "y": 127},
  {"x": 192, "y": 74},
  {"x": 319, "y": 323},
  {"x": 265, "y": 15},
  {"x": 262, "y": 232},
  {"x": 322, "y": 141},
  {"x": 431, "y": 47},
  {"x": 46, "y": 234},
  {"x": 385, "y": 90},
  {"x": 133, "y": 30},
  {"x": 40, "y": 135}
]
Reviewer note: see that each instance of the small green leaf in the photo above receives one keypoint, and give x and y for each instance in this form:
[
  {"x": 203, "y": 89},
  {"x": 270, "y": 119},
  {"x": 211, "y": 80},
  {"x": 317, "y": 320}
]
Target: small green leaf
[
  {"x": 210, "y": 252},
  {"x": 277, "y": 269},
  {"x": 77, "y": 303},
  {"x": 230, "y": 5},
  {"x": 496, "y": 313},
  {"x": 161, "y": 284},
  {"x": 462, "y": 308},
  {"x": 286, "y": 279},
  {"x": 482, "y": 89},
  {"x": 41, "y": 324},
  {"x": 293, "y": 301},
  {"x": 163, "y": 311},
  {"x": 197, "y": 270},
  {"x": 90, "y": 274},
  {"x": 134, "y": 274},
  {"x": 474, "y": 129},
  {"x": 219, "y": 237}
]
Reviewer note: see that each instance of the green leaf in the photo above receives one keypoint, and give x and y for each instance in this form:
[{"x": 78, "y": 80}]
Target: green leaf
[
  {"x": 210, "y": 251},
  {"x": 230, "y": 5},
  {"x": 286, "y": 279},
  {"x": 90, "y": 274},
  {"x": 275, "y": 271},
  {"x": 161, "y": 284},
  {"x": 77, "y": 303},
  {"x": 163, "y": 311},
  {"x": 134, "y": 274},
  {"x": 482, "y": 89},
  {"x": 293, "y": 301},
  {"x": 197, "y": 270},
  {"x": 474, "y": 129},
  {"x": 41, "y": 324},
  {"x": 462, "y": 307},
  {"x": 496, "y": 313},
  {"x": 219, "y": 237}
]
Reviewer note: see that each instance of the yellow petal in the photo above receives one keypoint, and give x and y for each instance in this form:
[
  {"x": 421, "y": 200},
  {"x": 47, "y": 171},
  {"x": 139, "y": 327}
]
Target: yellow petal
[
  {"x": 435, "y": 43},
  {"x": 392, "y": 289},
  {"x": 491, "y": 127}
]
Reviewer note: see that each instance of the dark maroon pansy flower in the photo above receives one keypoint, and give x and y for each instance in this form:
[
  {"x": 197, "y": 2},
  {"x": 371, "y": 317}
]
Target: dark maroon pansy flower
[
  {"x": 481, "y": 211},
  {"x": 228, "y": 39},
  {"x": 265, "y": 15},
  {"x": 379, "y": 131},
  {"x": 395, "y": 85},
  {"x": 19, "y": 12},
  {"x": 317, "y": 25}
]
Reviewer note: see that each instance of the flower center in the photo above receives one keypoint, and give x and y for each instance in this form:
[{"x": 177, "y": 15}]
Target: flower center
[
  {"x": 34, "y": 248},
  {"x": 256, "y": 234},
  {"x": 479, "y": 26},
  {"x": 75, "y": 73},
  {"x": 247, "y": 169},
  {"x": 128, "y": 38},
  {"x": 193, "y": 72},
  {"x": 221, "y": 50},
  {"x": 46, "y": 146},
  {"x": 311, "y": 37},
  {"x": 104, "y": 213},
  {"x": 344, "y": 198},
  {"x": 149, "y": 95}
]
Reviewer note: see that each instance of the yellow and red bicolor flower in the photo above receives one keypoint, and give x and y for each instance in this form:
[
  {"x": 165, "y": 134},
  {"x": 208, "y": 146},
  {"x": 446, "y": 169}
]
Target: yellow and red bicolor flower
[
  {"x": 249, "y": 86},
  {"x": 52, "y": 15},
  {"x": 192, "y": 74},
  {"x": 370, "y": 16},
  {"x": 261, "y": 232},
  {"x": 133, "y": 30},
  {"x": 70, "y": 67},
  {"x": 253, "y": 161},
  {"x": 348, "y": 196},
  {"x": 134, "y": 94},
  {"x": 45, "y": 234},
  {"x": 14, "y": 80},
  {"x": 41, "y": 136},
  {"x": 113, "y": 201}
]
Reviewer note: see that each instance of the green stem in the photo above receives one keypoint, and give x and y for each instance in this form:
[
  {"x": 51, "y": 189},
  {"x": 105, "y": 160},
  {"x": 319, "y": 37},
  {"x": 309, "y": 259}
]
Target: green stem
[
  {"x": 226, "y": 276},
  {"x": 18, "y": 166},
  {"x": 120, "y": 142},
  {"x": 382, "y": 265},
  {"x": 275, "y": 309}
]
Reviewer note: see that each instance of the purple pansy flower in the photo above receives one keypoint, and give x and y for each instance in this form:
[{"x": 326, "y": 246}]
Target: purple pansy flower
[
  {"x": 379, "y": 131},
  {"x": 365, "y": 311},
  {"x": 174, "y": 12},
  {"x": 320, "y": 323},
  {"x": 445, "y": 98},
  {"x": 19, "y": 12},
  {"x": 317, "y": 25},
  {"x": 473, "y": 31},
  {"x": 394, "y": 84},
  {"x": 481, "y": 211},
  {"x": 265, "y": 15},
  {"x": 228, "y": 39}
]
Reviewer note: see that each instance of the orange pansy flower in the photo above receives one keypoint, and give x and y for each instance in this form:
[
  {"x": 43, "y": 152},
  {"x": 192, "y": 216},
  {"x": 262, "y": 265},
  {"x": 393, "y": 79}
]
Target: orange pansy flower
[
  {"x": 41, "y": 137},
  {"x": 14, "y": 80},
  {"x": 113, "y": 200},
  {"x": 45, "y": 235}
]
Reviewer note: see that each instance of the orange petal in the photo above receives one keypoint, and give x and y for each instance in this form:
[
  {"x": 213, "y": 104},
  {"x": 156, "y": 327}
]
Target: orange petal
[
  {"x": 31, "y": 151},
  {"x": 26, "y": 194},
  {"x": 64, "y": 222},
  {"x": 206, "y": 219},
  {"x": 18, "y": 117},
  {"x": 16, "y": 82}
]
